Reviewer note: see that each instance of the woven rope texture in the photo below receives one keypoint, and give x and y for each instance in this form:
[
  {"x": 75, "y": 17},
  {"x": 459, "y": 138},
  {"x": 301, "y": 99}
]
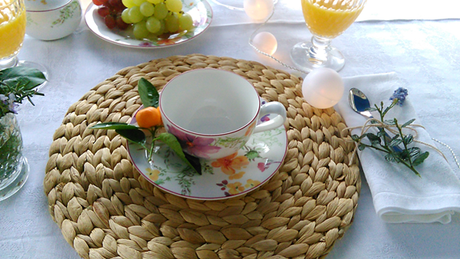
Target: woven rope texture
[{"x": 106, "y": 209}]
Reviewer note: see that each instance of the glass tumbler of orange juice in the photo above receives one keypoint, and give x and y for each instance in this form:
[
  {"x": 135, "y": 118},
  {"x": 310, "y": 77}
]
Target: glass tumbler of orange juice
[
  {"x": 326, "y": 19},
  {"x": 12, "y": 31}
]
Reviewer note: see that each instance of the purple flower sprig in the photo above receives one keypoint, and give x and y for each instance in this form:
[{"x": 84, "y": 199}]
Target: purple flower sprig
[
  {"x": 7, "y": 103},
  {"x": 16, "y": 84},
  {"x": 410, "y": 155},
  {"x": 399, "y": 95}
]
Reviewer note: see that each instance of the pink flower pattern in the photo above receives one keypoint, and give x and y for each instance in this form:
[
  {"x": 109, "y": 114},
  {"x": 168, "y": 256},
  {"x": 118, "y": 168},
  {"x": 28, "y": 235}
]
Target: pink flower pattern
[{"x": 195, "y": 146}]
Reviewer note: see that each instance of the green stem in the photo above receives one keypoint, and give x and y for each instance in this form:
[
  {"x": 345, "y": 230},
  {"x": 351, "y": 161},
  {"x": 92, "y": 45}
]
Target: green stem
[
  {"x": 152, "y": 146},
  {"x": 404, "y": 143},
  {"x": 385, "y": 150},
  {"x": 409, "y": 165}
]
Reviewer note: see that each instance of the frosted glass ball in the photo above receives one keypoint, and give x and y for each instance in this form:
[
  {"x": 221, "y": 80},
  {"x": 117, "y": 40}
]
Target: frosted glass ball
[
  {"x": 265, "y": 42},
  {"x": 258, "y": 9},
  {"x": 322, "y": 88}
]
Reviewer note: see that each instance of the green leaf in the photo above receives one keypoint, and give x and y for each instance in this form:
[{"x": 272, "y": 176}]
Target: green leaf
[
  {"x": 171, "y": 140},
  {"x": 29, "y": 77},
  {"x": 361, "y": 147},
  {"x": 148, "y": 93},
  {"x": 420, "y": 158},
  {"x": 392, "y": 157},
  {"x": 374, "y": 121},
  {"x": 407, "y": 123},
  {"x": 407, "y": 139},
  {"x": 135, "y": 135},
  {"x": 194, "y": 162},
  {"x": 404, "y": 155},
  {"x": 356, "y": 138},
  {"x": 414, "y": 151},
  {"x": 375, "y": 140},
  {"x": 388, "y": 108},
  {"x": 389, "y": 122},
  {"x": 381, "y": 133},
  {"x": 371, "y": 109},
  {"x": 128, "y": 131},
  {"x": 113, "y": 125},
  {"x": 395, "y": 141}
]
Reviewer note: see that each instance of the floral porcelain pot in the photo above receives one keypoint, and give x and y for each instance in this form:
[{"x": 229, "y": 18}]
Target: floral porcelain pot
[{"x": 52, "y": 19}]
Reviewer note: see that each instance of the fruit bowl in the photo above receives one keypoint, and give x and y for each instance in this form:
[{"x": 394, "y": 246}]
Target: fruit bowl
[{"x": 199, "y": 11}]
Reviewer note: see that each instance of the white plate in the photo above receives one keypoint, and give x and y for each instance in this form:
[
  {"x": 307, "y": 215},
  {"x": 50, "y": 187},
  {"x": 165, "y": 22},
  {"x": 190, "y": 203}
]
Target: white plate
[
  {"x": 200, "y": 10},
  {"x": 251, "y": 167}
]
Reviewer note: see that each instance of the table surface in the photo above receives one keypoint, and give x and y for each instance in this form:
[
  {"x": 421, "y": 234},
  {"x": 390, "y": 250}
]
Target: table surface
[{"x": 420, "y": 43}]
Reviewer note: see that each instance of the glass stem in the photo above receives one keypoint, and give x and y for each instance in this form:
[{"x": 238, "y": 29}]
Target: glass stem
[
  {"x": 9, "y": 62},
  {"x": 318, "y": 53}
]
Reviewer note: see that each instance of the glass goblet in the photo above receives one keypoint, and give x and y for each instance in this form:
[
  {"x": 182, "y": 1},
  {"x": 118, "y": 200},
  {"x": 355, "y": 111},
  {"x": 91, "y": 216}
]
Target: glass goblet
[
  {"x": 12, "y": 32},
  {"x": 326, "y": 19}
]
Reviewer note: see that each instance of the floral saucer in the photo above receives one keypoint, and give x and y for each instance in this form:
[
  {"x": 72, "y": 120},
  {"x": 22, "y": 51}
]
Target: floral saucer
[
  {"x": 227, "y": 177},
  {"x": 200, "y": 10}
]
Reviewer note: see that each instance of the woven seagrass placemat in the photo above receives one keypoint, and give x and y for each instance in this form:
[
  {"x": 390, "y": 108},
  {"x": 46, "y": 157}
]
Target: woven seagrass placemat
[{"x": 106, "y": 209}]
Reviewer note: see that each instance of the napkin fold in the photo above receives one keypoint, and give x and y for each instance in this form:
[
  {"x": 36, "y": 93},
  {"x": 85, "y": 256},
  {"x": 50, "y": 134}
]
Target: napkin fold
[{"x": 400, "y": 196}]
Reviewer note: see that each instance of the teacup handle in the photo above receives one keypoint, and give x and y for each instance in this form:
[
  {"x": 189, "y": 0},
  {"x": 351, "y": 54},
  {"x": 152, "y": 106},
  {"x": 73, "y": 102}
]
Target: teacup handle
[{"x": 271, "y": 108}]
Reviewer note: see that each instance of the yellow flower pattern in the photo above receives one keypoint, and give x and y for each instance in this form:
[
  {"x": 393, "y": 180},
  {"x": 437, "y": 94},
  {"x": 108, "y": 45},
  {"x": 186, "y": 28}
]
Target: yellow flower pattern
[
  {"x": 237, "y": 187},
  {"x": 234, "y": 188},
  {"x": 153, "y": 174},
  {"x": 251, "y": 183},
  {"x": 236, "y": 176}
]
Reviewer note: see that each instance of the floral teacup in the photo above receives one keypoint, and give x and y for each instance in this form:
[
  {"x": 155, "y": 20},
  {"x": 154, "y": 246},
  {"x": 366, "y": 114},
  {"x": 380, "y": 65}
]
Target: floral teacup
[{"x": 214, "y": 112}]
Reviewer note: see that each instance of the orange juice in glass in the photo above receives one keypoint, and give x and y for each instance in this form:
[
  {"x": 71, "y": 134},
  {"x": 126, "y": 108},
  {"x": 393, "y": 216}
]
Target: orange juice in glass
[
  {"x": 326, "y": 19},
  {"x": 12, "y": 31}
]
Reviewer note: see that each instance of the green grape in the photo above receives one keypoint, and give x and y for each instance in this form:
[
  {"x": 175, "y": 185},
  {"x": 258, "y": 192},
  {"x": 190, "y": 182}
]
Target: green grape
[
  {"x": 162, "y": 28},
  {"x": 160, "y": 11},
  {"x": 154, "y": 1},
  {"x": 128, "y": 3},
  {"x": 172, "y": 22},
  {"x": 138, "y": 2},
  {"x": 153, "y": 25},
  {"x": 174, "y": 5},
  {"x": 125, "y": 16},
  {"x": 186, "y": 22},
  {"x": 146, "y": 9},
  {"x": 140, "y": 30},
  {"x": 135, "y": 14}
]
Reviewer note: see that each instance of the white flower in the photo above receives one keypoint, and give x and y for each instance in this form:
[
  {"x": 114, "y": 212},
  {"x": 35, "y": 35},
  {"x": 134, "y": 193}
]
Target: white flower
[{"x": 12, "y": 97}]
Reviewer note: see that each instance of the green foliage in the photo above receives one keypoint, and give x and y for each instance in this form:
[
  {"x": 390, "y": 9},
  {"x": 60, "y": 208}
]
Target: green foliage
[
  {"x": 150, "y": 97},
  {"x": 16, "y": 84},
  {"x": 409, "y": 156},
  {"x": 148, "y": 93},
  {"x": 130, "y": 132},
  {"x": 172, "y": 142}
]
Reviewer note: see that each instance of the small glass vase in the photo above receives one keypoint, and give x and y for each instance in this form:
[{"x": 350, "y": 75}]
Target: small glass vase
[{"x": 14, "y": 168}]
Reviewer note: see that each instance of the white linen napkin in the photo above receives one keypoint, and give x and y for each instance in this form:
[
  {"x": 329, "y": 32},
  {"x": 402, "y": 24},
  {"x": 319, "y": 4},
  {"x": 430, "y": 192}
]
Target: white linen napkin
[{"x": 398, "y": 194}]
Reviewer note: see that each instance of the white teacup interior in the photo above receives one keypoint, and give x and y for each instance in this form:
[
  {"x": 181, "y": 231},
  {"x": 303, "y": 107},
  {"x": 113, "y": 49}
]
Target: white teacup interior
[{"x": 210, "y": 101}]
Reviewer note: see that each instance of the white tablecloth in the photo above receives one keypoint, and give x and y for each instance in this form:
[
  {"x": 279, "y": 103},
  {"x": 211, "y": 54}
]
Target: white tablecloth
[{"x": 425, "y": 54}]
